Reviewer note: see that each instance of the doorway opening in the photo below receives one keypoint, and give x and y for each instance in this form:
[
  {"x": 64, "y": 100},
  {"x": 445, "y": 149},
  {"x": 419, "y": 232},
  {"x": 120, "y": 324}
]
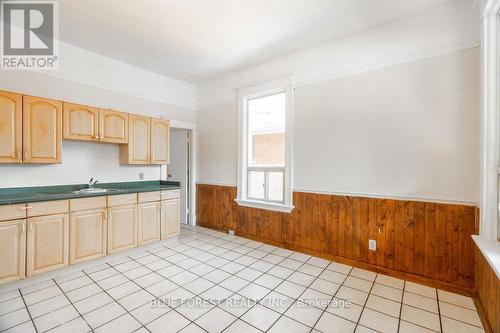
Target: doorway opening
[{"x": 180, "y": 168}]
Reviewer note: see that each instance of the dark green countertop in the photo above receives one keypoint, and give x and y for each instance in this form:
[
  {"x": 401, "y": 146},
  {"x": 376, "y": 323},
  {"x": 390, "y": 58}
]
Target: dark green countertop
[{"x": 16, "y": 195}]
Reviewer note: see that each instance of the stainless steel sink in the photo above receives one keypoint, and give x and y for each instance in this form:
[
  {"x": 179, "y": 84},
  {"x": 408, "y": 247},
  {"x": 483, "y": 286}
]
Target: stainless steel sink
[{"x": 95, "y": 190}]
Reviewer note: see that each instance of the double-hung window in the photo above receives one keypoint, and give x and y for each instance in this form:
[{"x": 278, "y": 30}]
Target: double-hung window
[{"x": 265, "y": 171}]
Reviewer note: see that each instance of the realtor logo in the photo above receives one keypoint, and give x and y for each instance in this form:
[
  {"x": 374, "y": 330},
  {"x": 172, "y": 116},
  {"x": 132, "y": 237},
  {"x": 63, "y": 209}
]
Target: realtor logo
[{"x": 29, "y": 33}]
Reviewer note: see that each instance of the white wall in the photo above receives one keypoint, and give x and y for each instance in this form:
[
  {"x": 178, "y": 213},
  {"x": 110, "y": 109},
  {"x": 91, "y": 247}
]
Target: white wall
[
  {"x": 217, "y": 144},
  {"x": 390, "y": 112},
  {"x": 81, "y": 161},
  {"x": 408, "y": 131},
  {"x": 453, "y": 26},
  {"x": 91, "y": 79}
]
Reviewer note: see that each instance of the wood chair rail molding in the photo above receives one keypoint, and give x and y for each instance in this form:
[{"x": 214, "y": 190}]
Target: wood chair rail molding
[{"x": 425, "y": 242}]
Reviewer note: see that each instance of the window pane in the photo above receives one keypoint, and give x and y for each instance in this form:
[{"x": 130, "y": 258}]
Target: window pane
[
  {"x": 256, "y": 187},
  {"x": 276, "y": 186},
  {"x": 266, "y": 130}
]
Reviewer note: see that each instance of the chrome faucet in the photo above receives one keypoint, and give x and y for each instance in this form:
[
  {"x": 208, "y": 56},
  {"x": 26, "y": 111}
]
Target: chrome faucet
[{"x": 92, "y": 182}]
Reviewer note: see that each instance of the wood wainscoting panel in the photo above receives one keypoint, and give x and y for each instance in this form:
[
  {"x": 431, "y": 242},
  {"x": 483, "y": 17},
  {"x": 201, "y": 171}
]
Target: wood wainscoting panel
[
  {"x": 487, "y": 293},
  {"x": 427, "y": 240}
]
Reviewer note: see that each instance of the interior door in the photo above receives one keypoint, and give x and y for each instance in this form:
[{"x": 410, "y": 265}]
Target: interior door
[
  {"x": 42, "y": 130},
  {"x": 178, "y": 169},
  {"x": 10, "y": 127}
]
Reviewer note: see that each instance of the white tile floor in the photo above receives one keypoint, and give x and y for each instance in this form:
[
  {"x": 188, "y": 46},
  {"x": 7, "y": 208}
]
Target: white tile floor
[{"x": 207, "y": 281}]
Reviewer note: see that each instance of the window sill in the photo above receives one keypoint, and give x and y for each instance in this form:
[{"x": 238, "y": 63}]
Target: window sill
[
  {"x": 264, "y": 205},
  {"x": 490, "y": 251}
]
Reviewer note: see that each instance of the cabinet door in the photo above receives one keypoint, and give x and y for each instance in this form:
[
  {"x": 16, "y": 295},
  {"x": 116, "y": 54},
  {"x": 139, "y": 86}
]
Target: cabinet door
[
  {"x": 13, "y": 244},
  {"x": 122, "y": 228},
  {"x": 160, "y": 141},
  {"x": 113, "y": 126},
  {"x": 47, "y": 243},
  {"x": 148, "y": 222},
  {"x": 138, "y": 150},
  {"x": 170, "y": 218},
  {"x": 88, "y": 231},
  {"x": 42, "y": 130},
  {"x": 80, "y": 122},
  {"x": 10, "y": 127}
]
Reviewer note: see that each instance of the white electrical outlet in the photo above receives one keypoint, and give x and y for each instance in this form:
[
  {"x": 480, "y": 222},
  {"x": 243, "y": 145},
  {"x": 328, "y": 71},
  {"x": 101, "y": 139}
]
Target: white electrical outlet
[
  {"x": 231, "y": 232},
  {"x": 141, "y": 175},
  {"x": 372, "y": 245}
]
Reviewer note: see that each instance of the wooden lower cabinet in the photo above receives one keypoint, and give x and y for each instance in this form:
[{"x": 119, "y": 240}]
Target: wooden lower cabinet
[
  {"x": 122, "y": 228},
  {"x": 88, "y": 235},
  {"x": 47, "y": 243},
  {"x": 13, "y": 245},
  {"x": 148, "y": 222},
  {"x": 170, "y": 218}
]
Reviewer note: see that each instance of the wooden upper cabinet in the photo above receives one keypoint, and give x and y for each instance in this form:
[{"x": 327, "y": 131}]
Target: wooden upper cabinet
[
  {"x": 42, "y": 130},
  {"x": 138, "y": 150},
  {"x": 160, "y": 137},
  {"x": 10, "y": 127},
  {"x": 113, "y": 126},
  {"x": 80, "y": 122}
]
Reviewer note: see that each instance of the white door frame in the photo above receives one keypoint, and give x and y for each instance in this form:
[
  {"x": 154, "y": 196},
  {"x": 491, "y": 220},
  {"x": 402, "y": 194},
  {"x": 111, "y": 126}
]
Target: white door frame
[
  {"x": 192, "y": 177},
  {"x": 490, "y": 118},
  {"x": 191, "y": 128}
]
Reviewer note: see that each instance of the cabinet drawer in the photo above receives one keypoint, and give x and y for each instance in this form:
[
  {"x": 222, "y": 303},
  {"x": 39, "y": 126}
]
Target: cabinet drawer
[
  {"x": 87, "y": 203},
  {"x": 149, "y": 196},
  {"x": 122, "y": 200},
  {"x": 12, "y": 212},
  {"x": 170, "y": 194},
  {"x": 47, "y": 208}
]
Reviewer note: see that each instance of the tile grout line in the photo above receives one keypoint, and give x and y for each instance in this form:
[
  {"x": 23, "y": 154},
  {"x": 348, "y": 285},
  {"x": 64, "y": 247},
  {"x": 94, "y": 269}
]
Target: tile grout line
[
  {"x": 298, "y": 298},
  {"x": 333, "y": 296},
  {"x": 73, "y": 305},
  {"x": 27, "y": 310},
  {"x": 249, "y": 282},
  {"x": 317, "y": 277},
  {"x": 116, "y": 301},
  {"x": 401, "y": 305},
  {"x": 439, "y": 311},
  {"x": 366, "y": 301}
]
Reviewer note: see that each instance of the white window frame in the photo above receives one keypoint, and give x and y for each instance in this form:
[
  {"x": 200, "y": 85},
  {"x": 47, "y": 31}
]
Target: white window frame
[{"x": 283, "y": 84}]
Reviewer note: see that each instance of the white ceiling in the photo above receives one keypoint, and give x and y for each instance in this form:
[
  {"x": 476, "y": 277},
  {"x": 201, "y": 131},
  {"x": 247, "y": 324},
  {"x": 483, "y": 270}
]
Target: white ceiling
[{"x": 200, "y": 40}]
